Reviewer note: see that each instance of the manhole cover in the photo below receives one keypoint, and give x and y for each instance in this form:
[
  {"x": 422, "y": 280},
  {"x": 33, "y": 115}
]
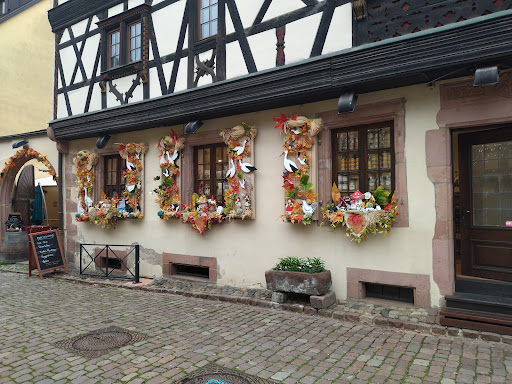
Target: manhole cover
[
  {"x": 213, "y": 374},
  {"x": 97, "y": 343}
]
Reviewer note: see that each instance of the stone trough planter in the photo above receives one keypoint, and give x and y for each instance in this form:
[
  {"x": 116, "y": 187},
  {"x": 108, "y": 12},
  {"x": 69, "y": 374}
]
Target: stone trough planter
[{"x": 299, "y": 282}]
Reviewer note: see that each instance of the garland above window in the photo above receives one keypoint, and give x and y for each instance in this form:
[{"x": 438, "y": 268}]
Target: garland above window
[
  {"x": 362, "y": 214},
  {"x": 300, "y": 198},
  {"x": 167, "y": 192},
  {"x": 85, "y": 162}
]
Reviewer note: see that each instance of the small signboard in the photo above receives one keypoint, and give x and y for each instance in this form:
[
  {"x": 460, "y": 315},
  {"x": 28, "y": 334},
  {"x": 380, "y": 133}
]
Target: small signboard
[
  {"x": 508, "y": 223},
  {"x": 46, "y": 252}
]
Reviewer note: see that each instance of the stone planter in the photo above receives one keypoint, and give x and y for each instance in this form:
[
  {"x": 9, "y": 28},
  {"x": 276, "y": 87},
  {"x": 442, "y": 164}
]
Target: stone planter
[{"x": 316, "y": 284}]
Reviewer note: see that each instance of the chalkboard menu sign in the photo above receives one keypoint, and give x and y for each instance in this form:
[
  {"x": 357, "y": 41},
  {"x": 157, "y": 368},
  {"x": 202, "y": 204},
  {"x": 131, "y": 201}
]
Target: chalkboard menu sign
[{"x": 46, "y": 251}]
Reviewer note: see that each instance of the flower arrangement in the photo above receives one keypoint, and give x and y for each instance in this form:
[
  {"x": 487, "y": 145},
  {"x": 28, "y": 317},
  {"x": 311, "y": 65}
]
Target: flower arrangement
[
  {"x": 362, "y": 214},
  {"x": 300, "y": 198},
  {"x": 85, "y": 162},
  {"x": 237, "y": 198},
  {"x": 28, "y": 153},
  {"x": 295, "y": 264},
  {"x": 201, "y": 213},
  {"x": 167, "y": 192},
  {"x": 132, "y": 153}
]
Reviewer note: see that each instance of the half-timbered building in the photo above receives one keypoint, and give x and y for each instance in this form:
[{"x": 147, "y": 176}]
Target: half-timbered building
[{"x": 414, "y": 97}]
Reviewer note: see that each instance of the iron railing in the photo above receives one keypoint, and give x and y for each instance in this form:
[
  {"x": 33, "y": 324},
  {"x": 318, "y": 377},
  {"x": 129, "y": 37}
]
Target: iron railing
[{"x": 107, "y": 252}]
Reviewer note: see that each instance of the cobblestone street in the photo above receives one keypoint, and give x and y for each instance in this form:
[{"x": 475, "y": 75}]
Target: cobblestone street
[{"x": 185, "y": 334}]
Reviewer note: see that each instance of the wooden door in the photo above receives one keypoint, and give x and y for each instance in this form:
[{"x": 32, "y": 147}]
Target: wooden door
[{"x": 485, "y": 166}]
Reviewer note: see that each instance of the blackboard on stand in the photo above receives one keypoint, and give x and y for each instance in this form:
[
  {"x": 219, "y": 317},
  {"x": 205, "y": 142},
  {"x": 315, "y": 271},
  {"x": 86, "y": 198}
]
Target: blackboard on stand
[{"x": 46, "y": 252}]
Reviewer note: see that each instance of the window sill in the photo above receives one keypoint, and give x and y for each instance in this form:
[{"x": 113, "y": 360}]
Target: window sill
[{"x": 122, "y": 70}]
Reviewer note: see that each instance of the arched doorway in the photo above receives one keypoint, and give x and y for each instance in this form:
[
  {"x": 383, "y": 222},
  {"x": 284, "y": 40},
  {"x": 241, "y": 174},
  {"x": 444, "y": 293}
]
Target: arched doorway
[{"x": 8, "y": 177}]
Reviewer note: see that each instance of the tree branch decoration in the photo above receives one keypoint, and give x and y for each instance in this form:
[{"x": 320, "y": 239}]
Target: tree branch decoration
[
  {"x": 362, "y": 214},
  {"x": 202, "y": 212},
  {"x": 28, "y": 153},
  {"x": 85, "y": 162},
  {"x": 300, "y": 198},
  {"x": 132, "y": 153},
  {"x": 167, "y": 192}
]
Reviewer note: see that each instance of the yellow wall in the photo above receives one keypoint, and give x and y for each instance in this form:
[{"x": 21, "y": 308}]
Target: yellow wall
[{"x": 26, "y": 71}]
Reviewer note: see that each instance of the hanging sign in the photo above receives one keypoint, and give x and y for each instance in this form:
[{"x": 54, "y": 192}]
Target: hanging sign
[{"x": 46, "y": 251}]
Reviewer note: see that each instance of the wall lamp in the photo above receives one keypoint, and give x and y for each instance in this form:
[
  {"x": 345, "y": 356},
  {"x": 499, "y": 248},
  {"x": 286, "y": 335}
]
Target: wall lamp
[
  {"x": 193, "y": 127},
  {"x": 102, "y": 141},
  {"x": 20, "y": 143},
  {"x": 486, "y": 76},
  {"x": 347, "y": 103}
]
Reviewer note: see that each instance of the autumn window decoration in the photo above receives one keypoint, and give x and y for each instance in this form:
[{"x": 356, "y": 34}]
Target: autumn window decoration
[
  {"x": 133, "y": 154},
  {"x": 299, "y": 138},
  {"x": 237, "y": 199},
  {"x": 27, "y": 153},
  {"x": 85, "y": 163},
  {"x": 167, "y": 192},
  {"x": 360, "y": 213},
  {"x": 203, "y": 211}
]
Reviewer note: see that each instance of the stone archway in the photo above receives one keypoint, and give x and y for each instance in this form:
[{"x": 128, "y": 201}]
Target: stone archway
[{"x": 8, "y": 176}]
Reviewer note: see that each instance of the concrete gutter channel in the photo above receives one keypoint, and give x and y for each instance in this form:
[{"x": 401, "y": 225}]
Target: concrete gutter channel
[{"x": 335, "y": 311}]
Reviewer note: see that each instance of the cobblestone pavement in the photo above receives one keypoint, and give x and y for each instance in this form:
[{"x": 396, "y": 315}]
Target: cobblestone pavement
[{"x": 186, "y": 333}]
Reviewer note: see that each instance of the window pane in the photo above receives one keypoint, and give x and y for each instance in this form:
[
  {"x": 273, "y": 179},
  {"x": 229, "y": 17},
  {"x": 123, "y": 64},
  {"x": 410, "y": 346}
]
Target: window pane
[
  {"x": 138, "y": 29},
  {"x": 206, "y": 156},
  {"x": 385, "y": 181},
  {"x": 213, "y": 11},
  {"x": 137, "y": 54},
  {"x": 373, "y": 138},
  {"x": 132, "y": 56},
  {"x": 353, "y": 183},
  {"x": 138, "y": 42},
  {"x": 353, "y": 140},
  {"x": 385, "y": 138},
  {"x": 354, "y": 162},
  {"x": 205, "y": 30},
  {"x": 205, "y": 15},
  {"x": 213, "y": 1},
  {"x": 385, "y": 160},
  {"x": 343, "y": 183},
  {"x": 373, "y": 181},
  {"x": 342, "y": 162},
  {"x": 373, "y": 161},
  {"x": 213, "y": 27},
  {"x": 205, "y": 3},
  {"x": 342, "y": 141},
  {"x": 206, "y": 189}
]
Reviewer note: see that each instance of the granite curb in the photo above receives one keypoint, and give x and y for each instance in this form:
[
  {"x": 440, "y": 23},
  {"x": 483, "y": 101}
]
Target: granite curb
[{"x": 420, "y": 327}]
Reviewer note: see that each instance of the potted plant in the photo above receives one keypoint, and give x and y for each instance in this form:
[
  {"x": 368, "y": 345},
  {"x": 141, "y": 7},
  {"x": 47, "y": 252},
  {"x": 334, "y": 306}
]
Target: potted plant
[{"x": 295, "y": 275}]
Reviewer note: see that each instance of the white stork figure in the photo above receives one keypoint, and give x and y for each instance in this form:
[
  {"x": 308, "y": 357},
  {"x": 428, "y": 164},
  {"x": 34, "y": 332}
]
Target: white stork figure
[
  {"x": 231, "y": 171},
  {"x": 289, "y": 165},
  {"x": 246, "y": 167},
  {"x": 240, "y": 149}
]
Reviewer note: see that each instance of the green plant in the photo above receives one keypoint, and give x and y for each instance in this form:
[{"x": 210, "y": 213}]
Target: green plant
[{"x": 309, "y": 265}]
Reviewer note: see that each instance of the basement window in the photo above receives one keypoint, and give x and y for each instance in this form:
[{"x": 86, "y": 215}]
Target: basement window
[
  {"x": 390, "y": 292},
  {"x": 112, "y": 263},
  {"x": 192, "y": 271}
]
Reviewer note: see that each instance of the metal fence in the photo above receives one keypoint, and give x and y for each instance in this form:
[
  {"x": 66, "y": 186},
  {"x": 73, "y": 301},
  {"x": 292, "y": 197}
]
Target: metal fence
[{"x": 107, "y": 260}]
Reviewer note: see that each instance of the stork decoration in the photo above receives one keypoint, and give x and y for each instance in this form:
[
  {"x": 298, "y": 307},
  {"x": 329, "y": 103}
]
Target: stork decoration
[
  {"x": 85, "y": 163},
  {"x": 167, "y": 192},
  {"x": 204, "y": 211},
  {"x": 133, "y": 154},
  {"x": 300, "y": 198}
]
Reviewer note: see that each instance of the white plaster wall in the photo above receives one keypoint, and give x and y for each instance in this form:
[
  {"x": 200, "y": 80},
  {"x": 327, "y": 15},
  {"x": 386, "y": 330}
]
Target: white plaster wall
[
  {"x": 89, "y": 54},
  {"x": 123, "y": 85},
  {"x": 77, "y": 100},
  {"x": 236, "y": 61},
  {"x": 61, "y": 106},
  {"x": 68, "y": 60},
  {"x": 299, "y": 38},
  {"x": 65, "y": 36},
  {"x": 95, "y": 104},
  {"x": 94, "y": 24},
  {"x": 116, "y": 10},
  {"x": 245, "y": 249},
  {"x": 137, "y": 94},
  {"x": 282, "y": 6},
  {"x": 339, "y": 35},
  {"x": 181, "y": 78},
  {"x": 134, "y": 3},
  {"x": 167, "y": 24},
  {"x": 154, "y": 83},
  {"x": 79, "y": 28},
  {"x": 248, "y": 11},
  {"x": 263, "y": 47}
]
